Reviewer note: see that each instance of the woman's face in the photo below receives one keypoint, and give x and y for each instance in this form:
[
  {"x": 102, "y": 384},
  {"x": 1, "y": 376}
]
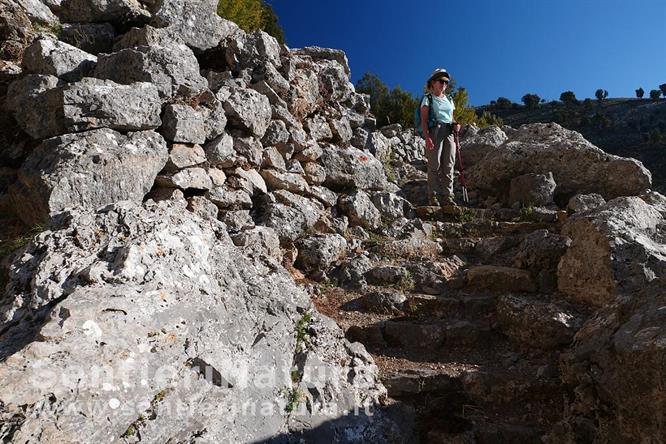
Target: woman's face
[{"x": 439, "y": 85}]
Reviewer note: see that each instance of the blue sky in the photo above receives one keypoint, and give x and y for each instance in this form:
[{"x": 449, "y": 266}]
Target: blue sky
[{"x": 493, "y": 48}]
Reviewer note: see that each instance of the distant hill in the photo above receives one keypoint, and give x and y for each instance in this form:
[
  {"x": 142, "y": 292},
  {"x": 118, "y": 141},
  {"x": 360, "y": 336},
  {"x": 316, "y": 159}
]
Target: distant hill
[{"x": 626, "y": 127}]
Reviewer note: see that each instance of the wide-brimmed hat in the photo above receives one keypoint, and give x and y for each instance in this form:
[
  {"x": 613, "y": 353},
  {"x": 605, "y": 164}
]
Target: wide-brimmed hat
[{"x": 439, "y": 73}]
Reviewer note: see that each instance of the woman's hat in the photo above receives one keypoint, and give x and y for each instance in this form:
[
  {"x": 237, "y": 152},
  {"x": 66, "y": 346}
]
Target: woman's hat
[{"x": 438, "y": 74}]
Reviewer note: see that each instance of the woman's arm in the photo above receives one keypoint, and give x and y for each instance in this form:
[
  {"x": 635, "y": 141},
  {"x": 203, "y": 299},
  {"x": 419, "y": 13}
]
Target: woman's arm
[{"x": 425, "y": 111}]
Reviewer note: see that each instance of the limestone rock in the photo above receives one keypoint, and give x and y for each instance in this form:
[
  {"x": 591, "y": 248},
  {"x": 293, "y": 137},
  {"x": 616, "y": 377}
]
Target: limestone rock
[
  {"x": 500, "y": 279},
  {"x": 390, "y": 205},
  {"x": 384, "y": 301},
  {"x": 352, "y": 167},
  {"x": 616, "y": 248},
  {"x": 532, "y": 189},
  {"x": 84, "y": 105},
  {"x": 173, "y": 69},
  {"x": 290, "y": 215},
  {"x": 537, "y": 324},
  {"x": 220, "y": 151},
  {"x": 318, "y": 253},
  {"x": 285, "y": 181},
  {"x": 318, "y": 53},
  {"x": 56, "y": 58},
  {"x": 249, "y": 110},
  {"x": 276, "y": 134},
  {"x": 315, "y": 174},
  {"x": 183, "y": 156},
  {"x": 618, "y": 360},
  {"x": 115, "y": 11},
  {"x": 87, "y": 170},
  {"x": 585, "y": 202},
  {"x": 318, "y": 128},
  {"x": 37, "y": 11},
  {"x": 187, "y": 179},
  {"x": 183, "y": 124},
  {"x": 196, "y": 22},
  {"x": 251, "y": 50},
  {"x": 200, "y": 321},
  {"x": 202, "y": 207},
  {"x": 475, "y": 146},
  {"x": 259, "y": 241},
  {"x": 229, "y": 199},
  {"x": 576, "y": 164},
  {"x": 360, "y": 210}
]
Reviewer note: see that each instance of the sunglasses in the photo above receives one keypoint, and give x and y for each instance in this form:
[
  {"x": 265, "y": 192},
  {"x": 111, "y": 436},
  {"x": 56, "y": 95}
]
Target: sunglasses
[{"x": 442, "y": 81}]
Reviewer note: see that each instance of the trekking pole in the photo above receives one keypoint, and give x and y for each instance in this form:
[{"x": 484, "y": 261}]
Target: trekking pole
[{"x": 462, "y": 168}]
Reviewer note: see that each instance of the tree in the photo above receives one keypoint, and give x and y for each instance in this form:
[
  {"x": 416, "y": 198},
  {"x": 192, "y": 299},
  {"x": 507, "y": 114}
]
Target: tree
[
  {"x": 654, "y": 94},
  {"x": 601, "y": 94},
  {"x": 400, "y": 108},
  {"x": 503, "y": 103},
  {"x": 531, "y": 100},
  {"x": 251, "y": 15},
  {"x": 662, "y": 87},
  {"x": 640, "y": 93},
  {"x": 569, "y": 98},
  {"x": 271, "y": 24},
  {"x": 371, "y": 84}
]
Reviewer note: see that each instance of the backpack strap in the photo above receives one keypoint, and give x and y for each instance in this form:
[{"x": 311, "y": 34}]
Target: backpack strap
[{"x": 431, "y": 116}]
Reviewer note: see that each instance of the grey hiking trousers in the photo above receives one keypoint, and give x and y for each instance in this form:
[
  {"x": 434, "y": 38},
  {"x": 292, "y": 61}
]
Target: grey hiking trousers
[{"x": 441, "y": 161}]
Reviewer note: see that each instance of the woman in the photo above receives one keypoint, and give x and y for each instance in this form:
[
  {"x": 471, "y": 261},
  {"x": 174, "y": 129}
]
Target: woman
[{"x": 440, "y": 143}]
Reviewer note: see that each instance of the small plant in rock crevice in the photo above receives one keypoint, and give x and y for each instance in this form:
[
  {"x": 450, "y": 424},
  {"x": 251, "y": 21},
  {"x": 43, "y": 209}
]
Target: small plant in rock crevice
[
  {"x": 527, "y": 213},
  {"x": 467, "y": 216},
  {"x": 302, "y": 335}
]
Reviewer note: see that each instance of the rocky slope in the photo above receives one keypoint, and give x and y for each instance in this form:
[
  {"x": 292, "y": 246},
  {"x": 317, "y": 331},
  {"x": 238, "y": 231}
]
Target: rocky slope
[{"x": 223, "y": 232}]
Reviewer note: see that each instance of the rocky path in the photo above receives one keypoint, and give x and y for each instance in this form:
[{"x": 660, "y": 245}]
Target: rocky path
[{"x": 459, "y": 336}]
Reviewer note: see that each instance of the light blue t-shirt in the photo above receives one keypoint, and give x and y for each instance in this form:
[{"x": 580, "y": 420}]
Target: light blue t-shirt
[{"x": 442, "y": 108}]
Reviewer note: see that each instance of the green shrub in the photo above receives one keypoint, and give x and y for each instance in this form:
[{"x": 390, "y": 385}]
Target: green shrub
[{"x": 251, "y": 15}]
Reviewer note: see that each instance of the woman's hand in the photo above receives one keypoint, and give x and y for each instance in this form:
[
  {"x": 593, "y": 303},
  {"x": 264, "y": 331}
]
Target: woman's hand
[{"x": 429, "y": 144}]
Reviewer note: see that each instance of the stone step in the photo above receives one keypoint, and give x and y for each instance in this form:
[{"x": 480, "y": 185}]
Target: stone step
[
  {"x": 500, "y": 279},
  {"x": 463, "y": 306},
  {"x": 410, "y": 382},
  {"x": 489, "y": 228},
  {"x": 434, "y": 334}
]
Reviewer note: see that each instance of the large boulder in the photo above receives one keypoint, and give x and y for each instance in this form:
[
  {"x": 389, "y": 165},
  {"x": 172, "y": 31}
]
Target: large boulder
[
  {"x": 173, "y": 69},
  {"x": 352, "y": 168},
  {"x": 617, "y": 368},
  {"x": 53, "y": 57},
  {"x": 139, "y": 319},
  {"x": 576, "y": 164},
  {"x": 87, "y": 104},
  {"x": 477, "y": 143},
  {"x": 616, "y": 248},
  {"x": 196, "y": 22},
  {"x": 87, "y": 170},
  {"x": 121, "y": 12}
]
